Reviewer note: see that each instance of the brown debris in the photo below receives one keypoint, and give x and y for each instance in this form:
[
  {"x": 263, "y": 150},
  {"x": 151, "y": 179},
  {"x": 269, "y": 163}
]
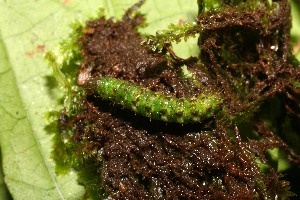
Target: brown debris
[{"x": 143, "y": 159}]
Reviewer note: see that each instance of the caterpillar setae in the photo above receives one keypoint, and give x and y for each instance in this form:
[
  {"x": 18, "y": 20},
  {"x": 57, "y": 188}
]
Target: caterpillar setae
[{"x": 157, "y": 106}]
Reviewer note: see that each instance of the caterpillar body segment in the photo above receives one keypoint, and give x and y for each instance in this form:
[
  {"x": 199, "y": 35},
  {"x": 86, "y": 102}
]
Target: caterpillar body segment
[{"x": 157, "y": 106}]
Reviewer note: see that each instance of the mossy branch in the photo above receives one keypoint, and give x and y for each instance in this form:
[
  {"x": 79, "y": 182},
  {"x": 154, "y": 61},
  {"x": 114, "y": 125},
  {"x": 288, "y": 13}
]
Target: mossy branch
[{"x": 174, "y": 33}]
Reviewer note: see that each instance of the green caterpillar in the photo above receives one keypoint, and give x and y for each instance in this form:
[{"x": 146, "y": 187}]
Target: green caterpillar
[{"x": 157, "y": 106}]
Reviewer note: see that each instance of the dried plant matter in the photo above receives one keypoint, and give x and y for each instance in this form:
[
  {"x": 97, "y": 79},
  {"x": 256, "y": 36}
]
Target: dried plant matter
[{"x": 245, "y": 58}]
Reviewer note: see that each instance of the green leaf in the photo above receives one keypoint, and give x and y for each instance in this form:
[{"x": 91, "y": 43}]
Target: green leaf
[
  {"x": 25, "y": 162},
  {"x": 28, "y": 90},
  {"x": 4, "y": 194},
  {"x": 295, "y": 31}
]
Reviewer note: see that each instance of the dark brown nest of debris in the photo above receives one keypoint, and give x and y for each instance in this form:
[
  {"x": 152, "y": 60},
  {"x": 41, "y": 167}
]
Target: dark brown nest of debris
[{"x": 244, "y": 59}]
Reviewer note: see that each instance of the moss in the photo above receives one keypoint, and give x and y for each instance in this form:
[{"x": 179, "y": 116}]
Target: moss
[{"x": 245, "y": 58}]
